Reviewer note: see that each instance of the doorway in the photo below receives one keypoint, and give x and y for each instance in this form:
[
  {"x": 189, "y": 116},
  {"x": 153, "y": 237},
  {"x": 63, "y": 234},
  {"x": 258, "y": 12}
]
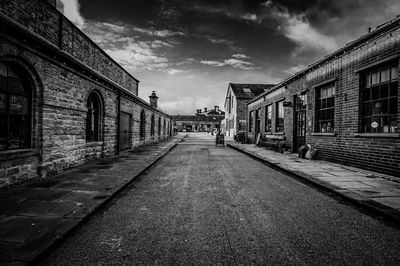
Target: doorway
[
  {"x": 125, "y": 121},
  {"x": 300, "y": 105}
]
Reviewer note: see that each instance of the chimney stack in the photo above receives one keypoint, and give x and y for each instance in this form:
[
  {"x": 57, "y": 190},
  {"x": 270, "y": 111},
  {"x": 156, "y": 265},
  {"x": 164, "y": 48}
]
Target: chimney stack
[
  {"x": 216, "y": 108},
  {"x": 205, "y": 109},
  {"x": 153, "y": 99}
]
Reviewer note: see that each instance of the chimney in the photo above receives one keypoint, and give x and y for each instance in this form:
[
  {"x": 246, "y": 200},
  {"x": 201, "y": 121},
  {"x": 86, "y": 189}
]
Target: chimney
[
  {"x": 153, "y": 99},
  {"x": 205, "y": 109},
  {"x": 216, "y": 108},
  {"x": 60, "y": 6}
]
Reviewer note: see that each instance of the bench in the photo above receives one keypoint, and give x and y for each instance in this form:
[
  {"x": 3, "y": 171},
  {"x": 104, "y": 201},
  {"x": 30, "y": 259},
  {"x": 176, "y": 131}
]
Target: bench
[
  {"x": 274, "y": 142},
  {"x": 240, "y": 137}
]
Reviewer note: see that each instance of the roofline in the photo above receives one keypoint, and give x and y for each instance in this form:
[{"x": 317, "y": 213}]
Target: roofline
[{"x": 391, "y": 24}]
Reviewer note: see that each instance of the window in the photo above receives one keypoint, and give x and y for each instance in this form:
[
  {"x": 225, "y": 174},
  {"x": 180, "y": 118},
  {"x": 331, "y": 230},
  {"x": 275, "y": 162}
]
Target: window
[
  {"x": 279, "y": 126},
  {"x": 15, "y": 106},
  {"x": 246, "y": 90},
  {"x": 268, "y": 118},
  {"x": 326, "y": 109},
  {"x": 379, "y": 90},
  {"x": 142, "y": 124},
  {"x": 251, "y": 121},
  {"x": 93, "y": 117},
  {"x": 152, "y": 128}
]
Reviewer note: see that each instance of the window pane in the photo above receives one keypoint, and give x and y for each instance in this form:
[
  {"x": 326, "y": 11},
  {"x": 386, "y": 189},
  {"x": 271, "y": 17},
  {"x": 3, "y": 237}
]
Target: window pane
[
  {"x": 18, "y": 132},
  {"x": 3, "y": 132},
  {"x": 393, "y": 105},
  {"x": 384, "y": 90},
  {"x": 394, "y": 73},
  {"x": 375, "y": 78},
  {"x": 385, "y": 75},
  {"x": 393, "y": 88},
  {"x": 375, "y": 92},
  {"x": 367, "y": 94}
]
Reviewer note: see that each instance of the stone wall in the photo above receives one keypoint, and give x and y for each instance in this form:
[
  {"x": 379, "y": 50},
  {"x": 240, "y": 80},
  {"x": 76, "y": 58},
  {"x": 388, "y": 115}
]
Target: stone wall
[{"x": 61, "y": 80}]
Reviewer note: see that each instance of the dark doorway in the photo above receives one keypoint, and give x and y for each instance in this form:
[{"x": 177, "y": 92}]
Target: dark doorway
[
  {"x": 300, "y": 104},
  {"x": 257, "y": 124},
  {"x": 125, "y": 121}
]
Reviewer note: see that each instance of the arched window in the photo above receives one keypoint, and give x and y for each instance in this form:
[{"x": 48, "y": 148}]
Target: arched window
[
  {"x": 164, "y": 129},
  {"x": 142, "y": 124},
  {"x": 159, "y": 126},
  {"x": 94, "y": 117},
  {"x": 15, "y": 108},
  {"x": 152, "y": 125}
]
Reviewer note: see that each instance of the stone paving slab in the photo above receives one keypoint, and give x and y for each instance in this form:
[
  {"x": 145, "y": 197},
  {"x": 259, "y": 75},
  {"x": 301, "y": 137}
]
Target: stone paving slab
[
  {"x": 375, "y": 191},
  {"x": 34, "y": 216}
]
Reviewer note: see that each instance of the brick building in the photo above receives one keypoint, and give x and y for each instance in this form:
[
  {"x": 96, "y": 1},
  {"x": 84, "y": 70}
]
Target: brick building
[
  {"x": 346, "y": 104},
  {"x": 63, "y": 100},
  {"x": 237, "y": 96},
  {"x": 208, "y": 120}
]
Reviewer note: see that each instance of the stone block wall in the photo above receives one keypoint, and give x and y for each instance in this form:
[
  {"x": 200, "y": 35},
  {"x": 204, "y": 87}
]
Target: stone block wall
[{"x": 60, "y": 89}]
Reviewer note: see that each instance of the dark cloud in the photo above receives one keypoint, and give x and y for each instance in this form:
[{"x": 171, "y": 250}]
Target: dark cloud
[{"x": 192, "y": 47}]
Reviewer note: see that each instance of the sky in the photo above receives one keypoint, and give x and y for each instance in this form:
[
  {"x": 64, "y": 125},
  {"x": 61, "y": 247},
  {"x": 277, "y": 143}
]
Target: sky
[{"x": 188, "y": 51}]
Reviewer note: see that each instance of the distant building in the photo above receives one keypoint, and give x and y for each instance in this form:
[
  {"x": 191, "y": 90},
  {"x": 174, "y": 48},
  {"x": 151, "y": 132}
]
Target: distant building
[
  {"x": 63, "y": 101},
  {"x": 237, "y": 96},
  {"x": 208, "y": 120},
  {"x": 346, "y": 104}
]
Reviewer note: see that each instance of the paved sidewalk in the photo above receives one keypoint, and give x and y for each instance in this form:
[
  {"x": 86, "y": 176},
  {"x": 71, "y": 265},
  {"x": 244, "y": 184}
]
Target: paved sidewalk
[
  {"x": 374, "y": 191},
  {"x": 35, "y": 216}
]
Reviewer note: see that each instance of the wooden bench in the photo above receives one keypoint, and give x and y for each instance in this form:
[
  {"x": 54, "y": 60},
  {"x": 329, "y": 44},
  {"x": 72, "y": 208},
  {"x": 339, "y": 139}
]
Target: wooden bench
[
  {"x": 240, "y": 137},
  {"x": 274, "y": 142}
]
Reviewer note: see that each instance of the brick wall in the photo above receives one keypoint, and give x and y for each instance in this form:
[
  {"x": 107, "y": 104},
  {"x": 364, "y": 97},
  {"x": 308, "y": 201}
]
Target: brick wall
[{"x": 375, "y": 152}]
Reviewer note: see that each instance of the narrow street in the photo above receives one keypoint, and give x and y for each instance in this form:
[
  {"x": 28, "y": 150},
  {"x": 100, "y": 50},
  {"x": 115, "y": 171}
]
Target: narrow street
[{"x": 203, "y": 204}]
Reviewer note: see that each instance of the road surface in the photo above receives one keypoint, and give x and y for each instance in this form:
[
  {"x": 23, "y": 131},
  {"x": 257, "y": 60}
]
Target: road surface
[{"x": 203, "y": 204}]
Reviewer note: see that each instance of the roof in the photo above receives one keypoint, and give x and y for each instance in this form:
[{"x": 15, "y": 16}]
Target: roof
[
  {"x": 349, "y": 47},
  {"x": 197, "y": 118},
  {"x": 248, "y": 91}
]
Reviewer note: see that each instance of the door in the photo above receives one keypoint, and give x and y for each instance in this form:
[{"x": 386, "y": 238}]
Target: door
[
  {"x": 257, "y": 124},
  {"x": 125, "y": 120},
  {"x": 300, "y": 104}
]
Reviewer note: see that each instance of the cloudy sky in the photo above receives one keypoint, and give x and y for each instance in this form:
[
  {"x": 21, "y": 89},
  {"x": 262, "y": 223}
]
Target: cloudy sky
[{"x": 189, "y": 50}]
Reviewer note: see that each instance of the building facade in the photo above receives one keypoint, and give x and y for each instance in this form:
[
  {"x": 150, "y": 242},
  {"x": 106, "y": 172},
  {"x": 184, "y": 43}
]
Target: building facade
[
  {"x": 63, "y": 100},
  {"x": 208, "y": 120},
  {"x": 346, "y": 105},
  {"x": 237, "y": 97}
]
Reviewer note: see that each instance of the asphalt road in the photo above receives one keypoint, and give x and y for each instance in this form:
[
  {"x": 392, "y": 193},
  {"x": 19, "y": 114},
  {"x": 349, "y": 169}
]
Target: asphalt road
[{"x": 203, "y": 204}]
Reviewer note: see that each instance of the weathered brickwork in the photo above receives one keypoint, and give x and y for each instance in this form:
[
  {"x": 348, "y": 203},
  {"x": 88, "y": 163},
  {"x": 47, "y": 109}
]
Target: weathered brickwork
[
  {"x": 61, "y": 81},
  {"x": 348, "y": 144},
  {"x": 44, "y": 20}
]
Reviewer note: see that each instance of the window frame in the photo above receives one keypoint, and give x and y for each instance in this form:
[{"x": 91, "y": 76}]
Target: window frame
[
  {"x": 27, "y": 93},
  {"x": 97, "y": 130},
  {"x": 277, "y": 117},
  {"x": 374, "y": 99},
  {"x": 268, "y": 116},
  {"x": 325, "y": 101}
]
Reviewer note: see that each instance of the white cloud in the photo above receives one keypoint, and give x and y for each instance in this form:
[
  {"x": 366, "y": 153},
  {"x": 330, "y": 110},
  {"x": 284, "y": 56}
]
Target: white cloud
[
  {"x": 250, "y": 17},
  {"x": 240, "y": 56},
  {"x": 71, "y": 11},
  {"x": 158, "y": 33},
  {"x": 294, "y": 69},
  {"x": 235, "y": 63},
  {"x": 298, "y": 29},
  {"x": 130, "y": 52},
  {"x": 174, "y": 71}
]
